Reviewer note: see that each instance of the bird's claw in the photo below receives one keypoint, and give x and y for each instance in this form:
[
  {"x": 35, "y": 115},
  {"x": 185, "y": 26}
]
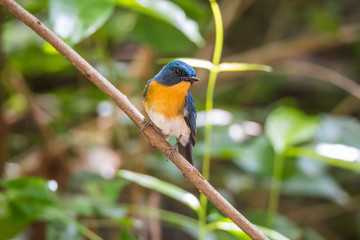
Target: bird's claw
[
  {"x": 146, "y": 124},
  {"x": 172, "y": 150}
]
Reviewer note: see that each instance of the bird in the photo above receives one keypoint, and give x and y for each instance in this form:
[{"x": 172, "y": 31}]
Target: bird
[{"x": 170, "y": 106}]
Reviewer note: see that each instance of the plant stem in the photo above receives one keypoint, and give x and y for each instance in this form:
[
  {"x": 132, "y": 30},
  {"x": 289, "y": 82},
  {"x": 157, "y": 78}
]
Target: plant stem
[
  {"x": 219, "y": 32},
  {"x": 62, "y": 217},
  {"x": 208, "y": 107},
  {"x": 275, "y": 189},
  {"x": 4, "y": 128}
]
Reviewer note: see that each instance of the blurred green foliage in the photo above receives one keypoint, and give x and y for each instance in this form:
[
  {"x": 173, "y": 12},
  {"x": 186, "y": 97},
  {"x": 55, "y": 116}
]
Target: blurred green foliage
[
  {"x": 295, "y": 130},
  {"x": 25, "y": 200}
]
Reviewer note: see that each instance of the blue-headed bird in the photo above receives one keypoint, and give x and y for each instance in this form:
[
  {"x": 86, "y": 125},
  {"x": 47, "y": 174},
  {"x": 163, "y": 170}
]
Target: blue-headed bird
[{"x": 170, "y": 106}]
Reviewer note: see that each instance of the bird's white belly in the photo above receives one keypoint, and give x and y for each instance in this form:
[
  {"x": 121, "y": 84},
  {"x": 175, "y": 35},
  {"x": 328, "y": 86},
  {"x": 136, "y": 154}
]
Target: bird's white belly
[{"x": 171, "y": 126}]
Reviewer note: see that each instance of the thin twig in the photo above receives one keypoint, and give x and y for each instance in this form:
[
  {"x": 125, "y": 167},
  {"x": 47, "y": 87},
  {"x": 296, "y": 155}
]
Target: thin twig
[
  {"x": 311, "y": 70},
  {"x": 347, "y": 106},
  {"x": 320, "y": 212},
  {"x": 281, "y": 50},
  {"x": 300, "y": 46},
  {"x": 4, "y": 127},
  {"x": 51, "y": 165},
  {"x": 122, "y": 101},
  {"x": 322, "y": 73},
  {"x": 155, "y": 227}
]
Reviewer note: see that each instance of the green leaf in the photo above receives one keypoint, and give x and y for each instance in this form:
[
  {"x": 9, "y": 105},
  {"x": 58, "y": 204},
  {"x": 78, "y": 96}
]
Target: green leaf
[
  {"x": 103, "y": 190},
  {"x": 226, "y": 67},
  {"x": 196, "y": 62},
  {"x": 223, "y": 67},
  {"x": 257, "y": 157},
  {"x": 339, "y": 130},
  {"x": 11, "y": 225},
  {"x": 162, "y": 37},
  {"x": 62, "y": 231},
  {"x": 4, "y": 210},
  {"x": 27, "y": 190},
  {"x": 165, "y": 188},
  {"x": 227, "y": 225},
  {"x": 288, "y": 126},
  {"x": 315, "y": 186},
  {"x": 74, "y": 20},
  {"x": 185, "y": 223},
  {"x": 25, "y": 199},
  {"x": 60, "y": 216},
  {"x": 28, "y": 61},
  {"x": 81, "y": 205},
  {"x": 337, "y": 143},
  {"x": 311, "y": 153},
  {"x": 272, "y": 234},
  {"x": 167, "y": 12},
  {"x": 282, "y": 225},
  {"x": 12, "y": 43},
  {"x": 230, "y": 227}
]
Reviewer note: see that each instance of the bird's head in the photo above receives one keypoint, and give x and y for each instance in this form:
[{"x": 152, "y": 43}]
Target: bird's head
[{"x": 175, "y": 72}]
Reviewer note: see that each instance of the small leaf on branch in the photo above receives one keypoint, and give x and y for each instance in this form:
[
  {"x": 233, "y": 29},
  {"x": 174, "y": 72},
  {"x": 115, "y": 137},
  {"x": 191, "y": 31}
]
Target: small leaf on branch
[
  {"x": 160, "y": 186},
  {"x": 226, "y": 67}
]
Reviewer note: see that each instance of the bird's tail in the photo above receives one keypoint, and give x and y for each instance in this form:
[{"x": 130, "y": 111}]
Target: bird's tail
[{"x": 186, "y": 152}]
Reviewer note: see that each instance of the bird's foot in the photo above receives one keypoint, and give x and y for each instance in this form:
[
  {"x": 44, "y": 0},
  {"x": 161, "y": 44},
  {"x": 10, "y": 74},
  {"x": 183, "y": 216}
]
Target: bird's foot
[
  {"x": 146, "y": 124},
  {"x": 151, "y": 146},
  {"x": 172, "y": 150}
]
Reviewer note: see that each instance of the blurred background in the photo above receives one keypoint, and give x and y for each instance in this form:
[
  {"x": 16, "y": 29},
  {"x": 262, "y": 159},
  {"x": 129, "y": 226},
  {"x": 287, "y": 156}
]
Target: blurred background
[{"x": 62, "y": 141}]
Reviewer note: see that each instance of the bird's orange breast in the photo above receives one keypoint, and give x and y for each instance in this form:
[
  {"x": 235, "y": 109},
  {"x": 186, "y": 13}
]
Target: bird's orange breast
[{"x": 166, "y": 100}]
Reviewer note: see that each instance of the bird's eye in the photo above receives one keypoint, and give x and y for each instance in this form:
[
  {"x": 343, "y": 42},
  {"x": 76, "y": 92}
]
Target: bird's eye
[{"x": 177, "y": 71}]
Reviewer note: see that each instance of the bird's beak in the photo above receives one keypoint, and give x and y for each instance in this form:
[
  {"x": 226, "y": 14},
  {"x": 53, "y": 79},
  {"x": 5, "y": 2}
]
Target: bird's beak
[{"x": 193, "y": 79}]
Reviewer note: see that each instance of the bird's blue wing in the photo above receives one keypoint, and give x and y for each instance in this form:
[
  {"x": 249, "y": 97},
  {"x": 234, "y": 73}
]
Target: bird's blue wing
[
  {"x": 190, "y": 116},
  {"x": 146, "y": 88}
]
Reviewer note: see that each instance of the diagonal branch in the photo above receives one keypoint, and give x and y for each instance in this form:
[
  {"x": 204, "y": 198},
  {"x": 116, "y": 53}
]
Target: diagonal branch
[{"x": 122, "y": 101}]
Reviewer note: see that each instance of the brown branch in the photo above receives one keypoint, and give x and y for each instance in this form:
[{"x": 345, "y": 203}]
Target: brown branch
[
  {"x": 278, "y": 51},
  {"x": 300, "y": 46},
  {"x": 155, "y": 227},
  {"x": 53, "y": 149},
  {"x": 4, "y": 127},
  {"x": 122, "y": 101},
  {"x": 311, "y": 70},
  {"x": 4, "y": 130},
  {"x": 347, "y": 106},
  {"x": 320, "y": 212},
  {"x": 321, "y": 73}
]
